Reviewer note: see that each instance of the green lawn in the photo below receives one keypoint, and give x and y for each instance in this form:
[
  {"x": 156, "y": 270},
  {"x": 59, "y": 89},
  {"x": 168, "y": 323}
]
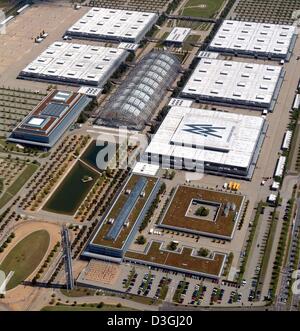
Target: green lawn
[
  {"x": 78, "y": 292},
  {"x": 22, "y": 179},
  {"x": 4, "y": 199},
  {"x": 202, "y": 8},
  {"x": 81, "y": 292},
  {"x": 25, "y": 257},
  {"x": 12, "y": 148},
  {"x": 293, "y": 149},
  {"x": 164, "y": 291},
  {"x": 270, "y": 246},
  {"x": 164, "y": 36},
  {"x": 192, "y": 39},
  {"x": 18, "y": 184},
  {"x": 87, "y": 307}
]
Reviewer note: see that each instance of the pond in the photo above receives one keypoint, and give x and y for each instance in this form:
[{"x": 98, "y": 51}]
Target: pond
[
  {"x": 72, "y": 191},
  {"x": 93, "y": 151}
]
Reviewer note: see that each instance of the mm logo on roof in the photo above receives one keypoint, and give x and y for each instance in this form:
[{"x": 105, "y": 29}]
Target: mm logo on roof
[{"x": 204, "y": 129}]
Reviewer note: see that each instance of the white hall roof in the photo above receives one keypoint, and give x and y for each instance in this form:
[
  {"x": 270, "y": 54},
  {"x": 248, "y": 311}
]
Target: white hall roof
[
  {"x": 113, "y": 24},
  {"x": 76, "y": 62},
  {"x": 209, "y": 136},
  {"x": 232, "y": 80},
  {"x": 250, "y": 37}
]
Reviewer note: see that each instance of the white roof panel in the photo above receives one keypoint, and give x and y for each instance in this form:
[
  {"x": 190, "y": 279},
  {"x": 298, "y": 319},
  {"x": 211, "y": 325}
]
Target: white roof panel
[
  {"x": 287, "y": 139},
  {"x": 80, "y": 62},
  {"x": 280, "y": 166},
  {"x": 178, "y": 35},
  {"x": 114, "y": 24},
  {"x": 250, "y": 83},
  {"x": 250, "y": 37},
  {"x": 142, "y": 168},
  {"x": 36, "y": 121}
]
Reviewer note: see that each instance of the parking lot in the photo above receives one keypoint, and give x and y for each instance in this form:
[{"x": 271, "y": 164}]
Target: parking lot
[{"x": 176, "y": 288}]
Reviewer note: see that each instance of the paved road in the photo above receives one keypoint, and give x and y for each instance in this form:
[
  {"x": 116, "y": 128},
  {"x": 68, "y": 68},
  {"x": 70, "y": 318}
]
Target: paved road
[{"x": 4, "y": 307}]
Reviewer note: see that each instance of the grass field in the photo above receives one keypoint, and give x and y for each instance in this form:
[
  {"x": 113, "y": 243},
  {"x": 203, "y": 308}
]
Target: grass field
[
  {"x": 192, "y": 39},
  {"x": 78, "y": 292},
  {"x": 293, "y": 162},
  {"x": 202, "y": 8},
  {"x": 143, "y": 300},
  {"x": 82, "y": 292},
  {"x": 200, "y": 26},
  {"x": 25, "y": 257},
  {"x": 15, "y": 187},
  {"x": 12, "y": 148},
  {"x": 87, "y": 307},
  {"x": 267, "y": 252}
]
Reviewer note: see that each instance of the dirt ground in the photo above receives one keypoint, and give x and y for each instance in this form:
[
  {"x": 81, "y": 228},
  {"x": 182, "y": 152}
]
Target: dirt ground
[
  {"x": 18, "y": 48},
  {"x": 103, "y": 272}
]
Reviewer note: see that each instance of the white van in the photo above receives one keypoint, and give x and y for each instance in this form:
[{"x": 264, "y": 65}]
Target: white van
[{"x": 264, "y": 113}]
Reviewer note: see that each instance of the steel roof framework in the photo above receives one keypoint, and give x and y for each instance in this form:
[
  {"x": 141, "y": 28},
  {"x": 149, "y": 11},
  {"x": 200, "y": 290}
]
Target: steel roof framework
[{"x": 141, "y": 92}]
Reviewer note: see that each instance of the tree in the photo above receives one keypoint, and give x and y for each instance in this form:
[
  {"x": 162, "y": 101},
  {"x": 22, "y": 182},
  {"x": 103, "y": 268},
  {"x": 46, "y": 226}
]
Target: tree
[
  {"x": 100, "y": 305},
  {"x": 83, "y": 117},
  {"x": 202, "y": 211},
  {"x": 107, "y": 87},
  {"x": 108, "y": 172},
  {"x": 172, "y": 246},
  {"x": 141, "y": 240},
  {"x": 172, "y": 174},
  {"x": 204, "y": 252}
]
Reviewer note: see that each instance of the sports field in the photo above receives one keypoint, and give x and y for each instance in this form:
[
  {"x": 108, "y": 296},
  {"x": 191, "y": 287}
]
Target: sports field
[
  {"x": 25, "y": 257},
  {"x": 202, "y": 8}
]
